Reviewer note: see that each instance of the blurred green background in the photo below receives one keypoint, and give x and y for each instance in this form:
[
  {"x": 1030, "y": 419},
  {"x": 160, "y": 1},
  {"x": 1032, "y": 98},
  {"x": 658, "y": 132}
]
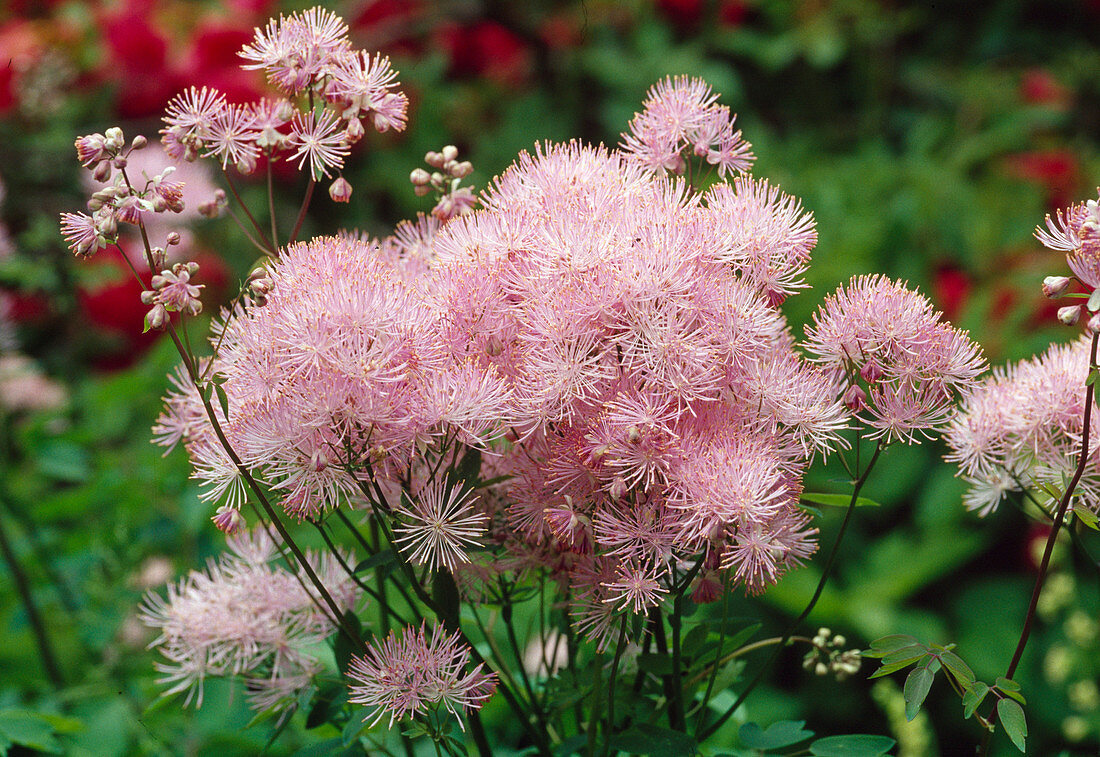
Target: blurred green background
[{"x": 928, "y": 139}]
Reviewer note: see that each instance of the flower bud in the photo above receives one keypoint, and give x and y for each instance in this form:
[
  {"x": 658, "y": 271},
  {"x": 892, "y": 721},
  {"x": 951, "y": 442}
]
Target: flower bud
[
  {"x": 1069, "y": 314},
  {"x": 173, "y": 238},
  {"x": 462, "y": 170},
  {"x": 450, "y": 152},
  {"x": 433, "y": 159},
  {"x": 228, "y": 520},
  {"x": 419, "y": 177},
  {"x": 855, "y": 399},
  {"x": 355, "y": 131},
  {"x": 1055, "y": 286},
  {"x": 157, "y": 318},
  {"x": 120, "y": 162},
  {"x": 138, "y": 142},
  {"x": 1094, "y": 324},
  {"x": 114, "y": 139},
  {"x": 102, "y": 171},
  {"x": 870, "y": 372},
  {"x": 340, "y": 190}
]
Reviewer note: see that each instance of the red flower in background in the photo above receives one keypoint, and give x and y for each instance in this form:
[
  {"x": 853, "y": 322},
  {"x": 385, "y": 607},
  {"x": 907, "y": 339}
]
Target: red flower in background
[
  {"x": 486, "y": 49},
  {"x": 1039, "y": 87},
  {"x": 1055, "y": 170},
  {"x": 951, "y": 288},
  {"x": 686, "y": 14}
]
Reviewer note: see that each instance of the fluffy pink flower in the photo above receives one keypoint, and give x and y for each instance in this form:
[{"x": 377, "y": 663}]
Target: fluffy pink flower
[
  {"x": 1076, "y": 232},
  {"x": 295, "y": 51},
  {"x": 412, "y": 674},
  {"x": 441, "y": 523},
  {"x": 681, "y": 114},
  {"x": 1021, "y": 428},
  {"x": 889, "y": 336},
  {"x": 245, "y": 615},
  {"x": 318, "y": 140}
]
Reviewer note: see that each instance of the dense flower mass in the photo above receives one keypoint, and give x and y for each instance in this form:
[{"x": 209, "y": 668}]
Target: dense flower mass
[
  {"x": 244, "y": 615},
  {"x": 412, "y": 674},
  {"x": 1022, "y": 428},
  {"x": 901, "y": 366}
]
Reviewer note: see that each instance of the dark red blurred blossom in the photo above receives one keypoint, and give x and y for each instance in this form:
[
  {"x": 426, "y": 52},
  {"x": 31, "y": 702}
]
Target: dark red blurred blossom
[
  {"x": 387, "y": 25},
  {"x": 686, "y": 14},
  {"x": 137, "y": 59},
  {"x": 1037, "y": 535},
  {"x": 561, "y": 31},
  {"x": 951, "y": 288},
  {"x": 1039, "y": 87},
  {"x": 212, "y": 61},
  {"x": 1055, "y": 170},
  {"x": 21, "y": 43},
  {"x": 488, "y": 50}
]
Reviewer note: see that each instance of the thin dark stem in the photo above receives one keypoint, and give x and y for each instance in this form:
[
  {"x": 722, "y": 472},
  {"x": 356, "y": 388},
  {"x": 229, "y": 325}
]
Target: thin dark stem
[
  {"x": 619, "y": 647},
  {"x": 38, "y": 627},
  {"x": 718, "y": 662},
  {"x": 271, "y": 208},
  {"x": 809, "y": 607},
  {"x": 302, "y": 212},
  {"x": 386, "y": 609},
  {"x": 1059, "y": 516},
  {"x": 255, "y": 224}
]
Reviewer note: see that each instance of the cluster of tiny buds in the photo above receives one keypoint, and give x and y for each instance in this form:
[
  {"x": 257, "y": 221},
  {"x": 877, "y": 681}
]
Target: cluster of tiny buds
[
  {"x": 212, "y": 208},
  {"x": 828, "y": 656},
  {"x": 445, "y": 179},
  {"x": 172, "y": 291},
  {"x": 855, "y": 397},
  {"x": 120, "y": 202},
  {"x": 1058, "y": 286},
  {"x": 259, "y": 286}
]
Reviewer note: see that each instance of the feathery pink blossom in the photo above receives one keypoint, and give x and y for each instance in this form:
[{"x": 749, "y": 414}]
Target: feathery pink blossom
[
  {"x": 441, "y": 524},
  {"x": 413, "y": 674}
]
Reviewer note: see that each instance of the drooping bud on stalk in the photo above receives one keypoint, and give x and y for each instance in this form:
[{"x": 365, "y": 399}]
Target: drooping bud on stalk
[
  {"x": 340, "y": 190},
  {"x": 1070, "y": 314},
  {"x": 855, "y": 399},
  {"x": 228, "y": 520},
  {"x": 138, "y": 142},
  {"x": 1055, "y": 286},
  {"x": 870, "y": 372}
]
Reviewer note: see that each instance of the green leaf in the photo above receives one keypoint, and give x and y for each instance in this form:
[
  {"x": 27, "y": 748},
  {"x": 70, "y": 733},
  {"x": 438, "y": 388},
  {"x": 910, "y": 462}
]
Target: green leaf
[
  {"x": 973, "y": 698},
  {"x": 957, "y": 668},
  {"x": 836, "y": 500},
  {"x": 445, "y": 595},
  {"x": 917, "y": 685},
  {"x": 1086, "y": 516},
  {"x": 1010, "y": 689},
  {"x": 469, "y": 467},
  {"x": 64, "y": 461},
  {"x": 223, "y": 399},
  {"x": 781, "y": 734},
  {"x": 654, "y": 741},
  {"x": 29, "y": 729},
  {"x": 885, "y": 645},
  {"x": 900, "y": 659},
  {"x": 385, "y": 557},
  {"x": 1011, "y": 715},
  {"x": 571, "y": 745},
  {"x": 343, "y": 647},
  {"x": 858, "y": 745},
  {"x": 657, "y": 664}
]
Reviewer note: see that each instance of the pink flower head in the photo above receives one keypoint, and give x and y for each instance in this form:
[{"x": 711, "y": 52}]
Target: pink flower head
[
  {"x": 318, "y": 140},
  {"x": 680, "y": 114},
  {"x": 411, "y": 674},
  {"x": 875, "y": 327},
  {"x": 1021, "y": 428},
  {"x": 1076, "y": 232},
  {"x": 442, "y": 524},
  {"x": 245, "y": 615},
  {"x": 297, "y": 51},
  {"x": 366, "y": 86}
]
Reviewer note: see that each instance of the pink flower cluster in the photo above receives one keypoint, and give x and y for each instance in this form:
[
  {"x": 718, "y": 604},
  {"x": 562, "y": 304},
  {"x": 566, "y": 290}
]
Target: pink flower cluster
[
  {"x": 246, "y": 616},
  {"x": 1022, "y": 428},
  {"x": 341, "y": 368},
  {"x": 306, "y": 53},
  {"x": 412, "y": 674},
  {"x": 661, "y": 415},
  {"x": 901, "y": 367},
  {"x": 1076, "y": 232},
  {"x": 682, "y": 119}
]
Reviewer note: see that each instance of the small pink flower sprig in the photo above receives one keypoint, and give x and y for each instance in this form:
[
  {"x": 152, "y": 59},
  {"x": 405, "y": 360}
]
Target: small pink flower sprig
[
  {"x": 1076, "y": 232},
  {"x": 445, "y": 180},
  {"x": 327, "y": 91},
  {"x": 681, "y": 120}
]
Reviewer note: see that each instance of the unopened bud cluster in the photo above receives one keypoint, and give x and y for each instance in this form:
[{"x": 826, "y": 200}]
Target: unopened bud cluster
[
  {"x": 1057, "y": 286},
  {"x": 445, "y": 179},
  {"x": 121, "y": 201},
  {"x": 172, "y": 291},
  {"x": 828, "y": 656},
  {"x": 259, "y": 286}
]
